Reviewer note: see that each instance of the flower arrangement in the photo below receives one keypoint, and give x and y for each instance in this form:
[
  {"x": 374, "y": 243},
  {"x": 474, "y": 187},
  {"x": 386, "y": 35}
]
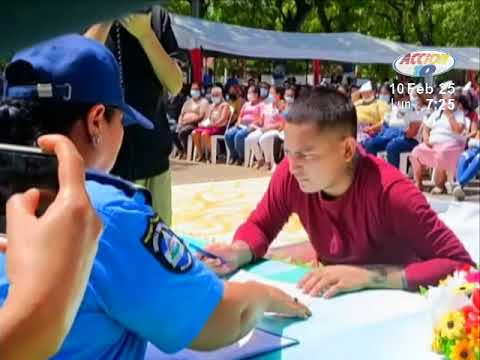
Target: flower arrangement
[{"x": 455, "y": 305}]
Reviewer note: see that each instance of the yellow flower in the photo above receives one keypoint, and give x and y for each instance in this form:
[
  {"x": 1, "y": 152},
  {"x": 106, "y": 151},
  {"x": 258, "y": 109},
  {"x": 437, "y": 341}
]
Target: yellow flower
[
  {"x": 461, "y": 351},
  {"x": 452, "y": 325},
  {"x": 437, "y": 343},
  {"x": 466, "y": 288}
]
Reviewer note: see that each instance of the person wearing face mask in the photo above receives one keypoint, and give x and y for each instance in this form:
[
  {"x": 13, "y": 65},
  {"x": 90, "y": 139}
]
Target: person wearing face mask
[
  {"x": 264, "y": 90},
  {"x": 261, "y": 140},
  {"x": 249, "y": 120},
  {"x": 236, "y": 101},
  {"x": 289, "y": 99},
  {"x": 290, "y": 95},
  {"x": 214, "y": 123},
  {"x": 443, "y": 142},
  {"x": 193, "y": 112},
  {"x": 385, "y": 94},
  {"x": 370, "y": 113}
]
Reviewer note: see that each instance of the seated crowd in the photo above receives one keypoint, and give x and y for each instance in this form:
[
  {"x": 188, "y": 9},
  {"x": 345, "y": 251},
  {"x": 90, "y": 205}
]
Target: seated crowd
[
  {"x": 437, "y": 131},
  {"x": 255, "y": 122},
  {"x": 419, "y": 126}
]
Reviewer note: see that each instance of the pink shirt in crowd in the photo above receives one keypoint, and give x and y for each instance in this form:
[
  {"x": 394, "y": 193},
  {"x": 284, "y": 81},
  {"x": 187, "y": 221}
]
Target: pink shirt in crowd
[
  {"x": 271, "y": 115},
  {"x": 382, "y": 219},
  {"x": 250, "y": 113}
]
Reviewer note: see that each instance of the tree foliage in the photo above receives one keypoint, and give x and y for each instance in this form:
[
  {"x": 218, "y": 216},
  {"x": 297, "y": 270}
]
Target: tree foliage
[
  {"x": 424, "y": 22},
  {"x": 421, "y": 22}
]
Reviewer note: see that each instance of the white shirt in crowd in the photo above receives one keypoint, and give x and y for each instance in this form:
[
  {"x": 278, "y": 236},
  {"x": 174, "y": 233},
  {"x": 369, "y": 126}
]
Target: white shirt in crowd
[
  {"x": 402, "y": 118},
  {"x": 441, "y": 131}
]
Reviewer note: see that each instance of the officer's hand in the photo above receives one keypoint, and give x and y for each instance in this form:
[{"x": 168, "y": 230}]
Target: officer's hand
[
  {"x": 139, "y": 25},
  {"x": 234, "y": 255},
  {"x": 283, "y": 304},
  {"x": 49, "y": 258}
]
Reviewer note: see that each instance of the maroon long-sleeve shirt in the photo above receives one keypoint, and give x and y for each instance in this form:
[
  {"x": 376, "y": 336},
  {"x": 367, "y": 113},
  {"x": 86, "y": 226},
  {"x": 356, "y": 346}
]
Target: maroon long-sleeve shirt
[{"x": 381, "y": 219}]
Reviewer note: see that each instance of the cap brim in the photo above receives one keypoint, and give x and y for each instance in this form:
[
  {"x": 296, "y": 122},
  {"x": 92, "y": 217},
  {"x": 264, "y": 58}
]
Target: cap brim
[{"x": 133, "y": 117}]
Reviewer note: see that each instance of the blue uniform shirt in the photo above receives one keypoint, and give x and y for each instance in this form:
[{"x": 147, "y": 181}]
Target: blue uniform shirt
[{"x": 145, "y": 284}]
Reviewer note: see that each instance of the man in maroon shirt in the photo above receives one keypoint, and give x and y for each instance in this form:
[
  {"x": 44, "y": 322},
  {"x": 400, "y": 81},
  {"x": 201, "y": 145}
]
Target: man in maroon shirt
[{"x": 370, "y": 226}]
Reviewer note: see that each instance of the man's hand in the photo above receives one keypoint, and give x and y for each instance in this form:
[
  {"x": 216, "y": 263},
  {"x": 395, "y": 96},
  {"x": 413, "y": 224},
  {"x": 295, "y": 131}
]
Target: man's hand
[
  {"x": 139, "y": 25},
  {"x": 235, "y": 255},
  {"x": 332, "y": 280}
]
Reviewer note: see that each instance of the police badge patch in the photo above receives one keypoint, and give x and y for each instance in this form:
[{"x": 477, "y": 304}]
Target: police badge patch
[{"x": 167, "y": 247}]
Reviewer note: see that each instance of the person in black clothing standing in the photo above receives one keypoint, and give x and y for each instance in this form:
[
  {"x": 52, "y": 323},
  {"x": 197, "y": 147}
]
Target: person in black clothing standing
[{"x": 145, "y": 45}]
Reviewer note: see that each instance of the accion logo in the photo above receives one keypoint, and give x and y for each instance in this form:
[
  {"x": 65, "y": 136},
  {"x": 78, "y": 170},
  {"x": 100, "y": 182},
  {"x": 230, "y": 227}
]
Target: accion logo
[{"x": 424, "y": 63}]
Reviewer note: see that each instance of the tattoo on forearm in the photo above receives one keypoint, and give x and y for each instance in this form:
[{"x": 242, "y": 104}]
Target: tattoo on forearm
[
  {"x": 385, "y": 276},
  {"x": 379, "y": 275}
]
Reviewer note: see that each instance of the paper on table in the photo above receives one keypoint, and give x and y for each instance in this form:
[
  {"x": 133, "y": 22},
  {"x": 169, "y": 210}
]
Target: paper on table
[
  {"x": 255, "y": 343},
  {"x": 290, "y": 289}
]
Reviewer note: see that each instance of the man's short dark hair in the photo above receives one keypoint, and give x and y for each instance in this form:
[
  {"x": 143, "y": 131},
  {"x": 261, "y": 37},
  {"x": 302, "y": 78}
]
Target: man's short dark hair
[{"x": 327, "y": 108}]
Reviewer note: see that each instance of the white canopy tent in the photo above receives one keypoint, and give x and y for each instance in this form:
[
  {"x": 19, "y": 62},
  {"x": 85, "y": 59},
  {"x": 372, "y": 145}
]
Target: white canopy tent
[{"x": 220, "y": 38}]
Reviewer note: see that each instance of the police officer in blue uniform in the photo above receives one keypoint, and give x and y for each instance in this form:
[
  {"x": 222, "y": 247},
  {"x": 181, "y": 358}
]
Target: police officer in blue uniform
[{"x": 145, "y": 285}]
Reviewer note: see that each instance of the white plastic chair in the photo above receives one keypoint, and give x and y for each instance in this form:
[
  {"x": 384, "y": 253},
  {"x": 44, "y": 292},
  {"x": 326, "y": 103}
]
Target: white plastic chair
[
  {"x": 217, "y": 138},
  {"x": 191, "y": 150},
  {"x": 248, "y": 156}
]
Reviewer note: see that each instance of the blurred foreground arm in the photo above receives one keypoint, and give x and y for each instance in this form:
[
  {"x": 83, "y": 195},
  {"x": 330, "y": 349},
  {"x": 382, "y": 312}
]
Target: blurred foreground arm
[{"x": 49, "y": 259}]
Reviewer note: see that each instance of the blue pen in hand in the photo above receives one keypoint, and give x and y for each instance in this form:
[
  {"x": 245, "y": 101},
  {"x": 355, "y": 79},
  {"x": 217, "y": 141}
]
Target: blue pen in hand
[{"x": 205, "y": 253}]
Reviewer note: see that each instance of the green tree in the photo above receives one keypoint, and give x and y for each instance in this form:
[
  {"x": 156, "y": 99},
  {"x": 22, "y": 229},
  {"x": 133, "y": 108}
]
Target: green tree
[
  {"x": 281, "y": 15},
  {"x": 422, "y": 22}
]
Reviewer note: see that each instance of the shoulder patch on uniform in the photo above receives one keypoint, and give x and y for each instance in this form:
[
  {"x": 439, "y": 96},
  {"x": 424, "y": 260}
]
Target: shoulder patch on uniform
[{"x": 167, "y": 247}]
